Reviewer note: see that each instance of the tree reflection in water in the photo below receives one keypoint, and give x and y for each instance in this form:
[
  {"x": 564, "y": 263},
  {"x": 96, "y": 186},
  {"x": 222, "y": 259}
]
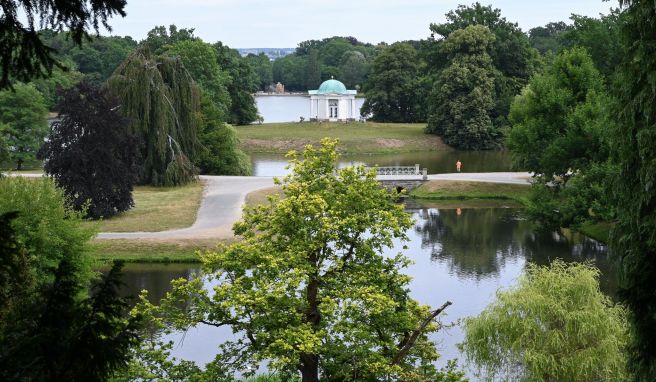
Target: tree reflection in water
[{"x": 477, "y": 243}]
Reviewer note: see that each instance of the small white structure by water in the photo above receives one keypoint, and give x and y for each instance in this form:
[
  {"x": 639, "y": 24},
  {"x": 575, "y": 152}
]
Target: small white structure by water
[{"x": 332, "y": 102}]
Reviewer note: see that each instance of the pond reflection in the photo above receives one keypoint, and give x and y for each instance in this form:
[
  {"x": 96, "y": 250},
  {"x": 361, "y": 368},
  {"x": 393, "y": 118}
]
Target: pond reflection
[{"x": 459, "y": 254}]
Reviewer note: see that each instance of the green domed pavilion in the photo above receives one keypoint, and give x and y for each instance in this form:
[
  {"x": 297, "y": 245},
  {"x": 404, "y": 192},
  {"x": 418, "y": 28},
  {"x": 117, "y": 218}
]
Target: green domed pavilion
[{"x": 332, "y": 102}]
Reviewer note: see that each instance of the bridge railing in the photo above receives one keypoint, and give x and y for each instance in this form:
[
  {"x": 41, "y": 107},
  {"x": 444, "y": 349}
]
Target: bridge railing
[{"x": 401, "y": 171}]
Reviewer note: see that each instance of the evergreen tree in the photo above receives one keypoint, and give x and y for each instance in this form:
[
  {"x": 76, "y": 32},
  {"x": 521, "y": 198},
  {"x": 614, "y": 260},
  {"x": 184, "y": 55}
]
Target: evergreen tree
[
  {"x": 91, "y": 153},
  {"x": 162, "y": 101},
  {"x": 24, "y": 55},
  {"x": 634, "y": 189},
  {"x": 463, "y": 96}
]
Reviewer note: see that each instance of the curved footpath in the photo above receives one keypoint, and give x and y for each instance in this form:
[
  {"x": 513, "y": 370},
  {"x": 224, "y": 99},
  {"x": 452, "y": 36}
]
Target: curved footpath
[
  {"x": 223, "y": 199},
  {"x": 221, "y": 207}
]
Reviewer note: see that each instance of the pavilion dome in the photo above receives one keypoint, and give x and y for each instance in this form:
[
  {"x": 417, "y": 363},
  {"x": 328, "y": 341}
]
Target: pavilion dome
[{"x": 332, "y": 86}]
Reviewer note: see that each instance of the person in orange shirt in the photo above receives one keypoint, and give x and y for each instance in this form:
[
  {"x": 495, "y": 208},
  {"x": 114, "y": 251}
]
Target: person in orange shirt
[{"x": 458, "y": 165}]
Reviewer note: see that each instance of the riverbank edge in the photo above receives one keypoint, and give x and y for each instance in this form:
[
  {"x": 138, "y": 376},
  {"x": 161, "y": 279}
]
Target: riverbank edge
[{"x": 160, "y": 251}]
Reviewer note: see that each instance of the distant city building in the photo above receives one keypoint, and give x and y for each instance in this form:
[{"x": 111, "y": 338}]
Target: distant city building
[
  {"x": 272, "y": 53},
  {"x": 332, "y": 102}
]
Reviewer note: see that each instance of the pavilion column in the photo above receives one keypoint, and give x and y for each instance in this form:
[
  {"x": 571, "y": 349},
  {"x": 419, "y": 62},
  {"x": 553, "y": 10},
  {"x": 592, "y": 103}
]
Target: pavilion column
[{"x": 311, "y": 108}]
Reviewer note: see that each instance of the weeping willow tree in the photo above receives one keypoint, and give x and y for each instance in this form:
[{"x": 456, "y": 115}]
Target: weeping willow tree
[{"x": 163, "y": 102}]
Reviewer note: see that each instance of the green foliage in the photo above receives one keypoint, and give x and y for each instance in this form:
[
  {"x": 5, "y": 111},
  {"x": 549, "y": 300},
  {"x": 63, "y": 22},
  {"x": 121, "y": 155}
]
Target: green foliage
[
  {"x": 25, "y": 56},
  {"x": 634, "y": 192},
  {"x": 200, "y": 59},
  {"x": 559, "y": 119},
  {"x": 395, "y": 90},
  {"x": 510, "y": 52},
  {"x": 601, "y": 38},
  {"x": 263, "y": 69},
  {"x": 58, "y": 80},
  {"x": 57, "y": 336},
  {"x": 220, "y": 153},
  {"x": 16, "y": 280},
  {"x": 307, "y": 288},
  {"x": 462, "y": 98},
  {"x": 243, "y": 83},
  {"x": 23, "y": 121},
  {"x": 555, "y": 325},
  {"x": 353, "y": 69},
  {"x": 91, "y": 153},
  {"x": 559, "y": 134},
  {"x": 290, "y": 70},
  {"x": 162, "y": 101},
  {"x": 549, "y": 38},
  {"x": 45, "y": 227},
  {"x": 4, "y": 147},
  {"x": 313, "y": 70},
  {"x": 159, "y": 39}
]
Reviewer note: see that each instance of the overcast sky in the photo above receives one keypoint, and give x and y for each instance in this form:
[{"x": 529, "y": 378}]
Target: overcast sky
[{"x": 285, "y": 23}]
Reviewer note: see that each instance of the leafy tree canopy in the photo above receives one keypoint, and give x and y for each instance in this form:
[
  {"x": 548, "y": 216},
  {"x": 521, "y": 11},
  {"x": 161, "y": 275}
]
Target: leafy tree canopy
[
  {"x": 554, "y": 325},
  {"x": 46, "y": 229},
  {"x": 24, "y": 55},
  {"x": 559, "y": 119},
  {"x": 308, "y": 288},
  {"x": 462, "y": 98},
  {"x": 634, "y": 192},
  {"x": 162, "y": 101},
  {"x": 91, "y": 153},
  {"x": 395, "y": 90},
  {"x": 23, "y": 121}
]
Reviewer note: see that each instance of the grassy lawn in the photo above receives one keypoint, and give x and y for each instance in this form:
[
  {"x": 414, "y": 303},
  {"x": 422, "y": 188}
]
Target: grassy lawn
[
  {"x": 597, "y": 231},
  {"x": 355, "y": 137},
  {"x": 458, "y": 190},
  {"x": 157, "y": 209},
  {"x": 260, "y": 196},
  {"x": 149, "y": 251}
]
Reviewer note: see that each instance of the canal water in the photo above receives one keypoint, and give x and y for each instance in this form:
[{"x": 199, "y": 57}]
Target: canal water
[{"x": 460, "y": 254}]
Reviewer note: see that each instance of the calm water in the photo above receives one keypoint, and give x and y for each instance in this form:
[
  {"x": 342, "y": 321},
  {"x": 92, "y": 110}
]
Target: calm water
[
  {"x": 287, "y": 108},
  {"x": 462, "y": 255},
  {"x": 437, "y": 162}
]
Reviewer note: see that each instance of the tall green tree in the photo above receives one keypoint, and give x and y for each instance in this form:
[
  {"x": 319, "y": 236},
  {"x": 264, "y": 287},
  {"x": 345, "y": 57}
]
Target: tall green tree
[
  {"x": 462, "y": 99},
  {"x": 159, "y": 39},
  {"x": 511, "y": 53},
  {"x": 162, "y": 101},
  {"x": 395, "y": 90},
  {"x": 23, "y": 121},
  {"x": 241, "y": 85},
  {"x": 46, "y": 228},
  {"x": 220, "y": 153},
  {"x": 634, "y": 191},
  {"x": 601, "y": 37},
  {"x": 91, "y": 153},
  {"x": 24, "y": 55},
  {"x": 559, "y": 132},
  {"x": 558, "y": 121},
  {"x": 290, "y": 71},
  {"x": 200, "y": 59},
  {"x": 308, "y": 288},
  {"x": 353, "y": 69},
  {"x": 554, "y": 325}
]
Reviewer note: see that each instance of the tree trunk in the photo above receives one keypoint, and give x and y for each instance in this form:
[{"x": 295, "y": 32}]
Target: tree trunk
[
  {"x": 309, "y": 368},
  {"x": 19, "y": 165},
  {"x": 310, "y": 362}
]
